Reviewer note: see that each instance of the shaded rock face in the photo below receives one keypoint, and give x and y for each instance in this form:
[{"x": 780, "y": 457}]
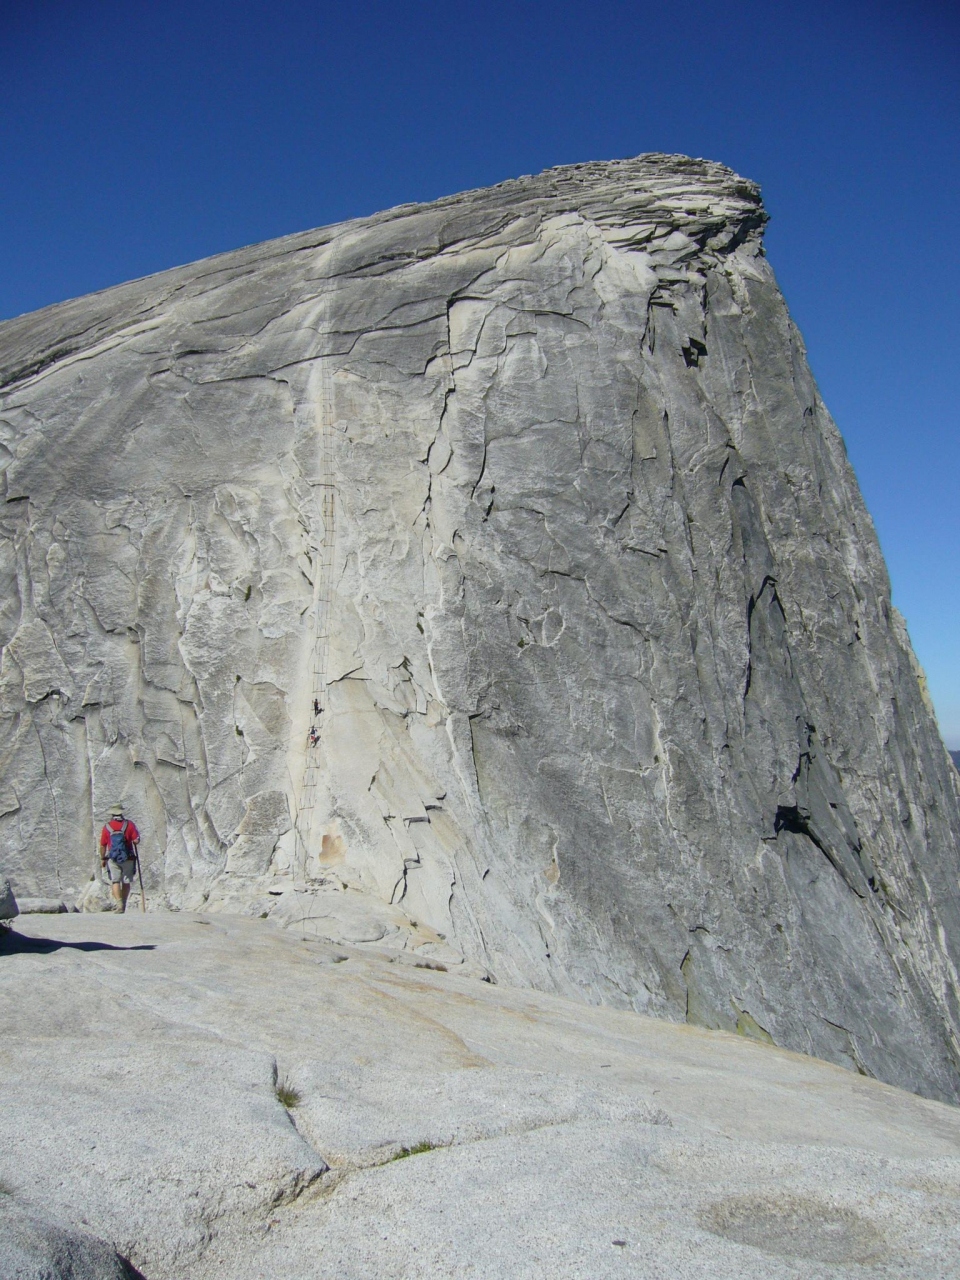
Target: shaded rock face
[
  {"x": 34, "y": 1248},
  {"x": 8, "y": 903},
  {"x": 485, "y": 578}
]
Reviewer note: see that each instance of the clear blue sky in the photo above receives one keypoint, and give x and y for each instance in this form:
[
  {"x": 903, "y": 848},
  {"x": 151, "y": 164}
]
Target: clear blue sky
[{"x": 138, "y": 135}]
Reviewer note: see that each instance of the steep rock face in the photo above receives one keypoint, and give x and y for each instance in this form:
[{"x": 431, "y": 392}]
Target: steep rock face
[{"x": 485, "y": 578}]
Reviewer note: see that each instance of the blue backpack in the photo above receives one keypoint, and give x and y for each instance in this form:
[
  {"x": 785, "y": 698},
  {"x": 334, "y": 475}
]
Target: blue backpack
[{"x": 118, "y": 849}]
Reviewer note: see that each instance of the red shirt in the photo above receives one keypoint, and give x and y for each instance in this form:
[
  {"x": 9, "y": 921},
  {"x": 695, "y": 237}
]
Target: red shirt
[{"x": 116, "y": 824}]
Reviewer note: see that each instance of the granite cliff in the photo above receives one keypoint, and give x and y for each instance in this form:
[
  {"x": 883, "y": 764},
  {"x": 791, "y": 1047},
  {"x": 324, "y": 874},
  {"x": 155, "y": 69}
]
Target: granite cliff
[{"x": 485, "y": 579}]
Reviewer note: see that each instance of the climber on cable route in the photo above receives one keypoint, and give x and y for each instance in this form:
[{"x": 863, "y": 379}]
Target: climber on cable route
[{"x": 120, "y": 856}]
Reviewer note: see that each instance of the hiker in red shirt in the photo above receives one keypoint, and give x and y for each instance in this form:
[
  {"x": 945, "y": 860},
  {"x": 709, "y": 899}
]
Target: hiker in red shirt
[{"x": 118, "y": 854}]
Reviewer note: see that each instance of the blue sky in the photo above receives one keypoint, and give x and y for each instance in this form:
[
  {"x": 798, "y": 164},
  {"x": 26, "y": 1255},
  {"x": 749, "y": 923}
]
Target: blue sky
[{"x": 136, "y": 136}]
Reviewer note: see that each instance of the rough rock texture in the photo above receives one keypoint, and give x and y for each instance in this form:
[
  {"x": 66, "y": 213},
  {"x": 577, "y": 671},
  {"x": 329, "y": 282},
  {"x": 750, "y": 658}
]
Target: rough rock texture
[
  {"x": 40, "y": 906},
  {"x": 485, "y": 579},
  {"x": 435, "y": 1125},
  {"x": 34, "y": 1248}
]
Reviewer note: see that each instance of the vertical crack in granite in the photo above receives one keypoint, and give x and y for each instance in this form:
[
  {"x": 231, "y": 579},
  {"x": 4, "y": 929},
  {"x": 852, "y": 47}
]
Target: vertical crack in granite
[{"x": 613, "y": 700}]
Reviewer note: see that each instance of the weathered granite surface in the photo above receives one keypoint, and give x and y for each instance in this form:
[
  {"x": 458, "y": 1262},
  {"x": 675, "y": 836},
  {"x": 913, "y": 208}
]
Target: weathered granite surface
[
  {"x": 40, "y": 906},
  {"x": 525, "y": 505},
  {"x": 32, "y": 1247},
  {"x": 222, "y": 1101}
]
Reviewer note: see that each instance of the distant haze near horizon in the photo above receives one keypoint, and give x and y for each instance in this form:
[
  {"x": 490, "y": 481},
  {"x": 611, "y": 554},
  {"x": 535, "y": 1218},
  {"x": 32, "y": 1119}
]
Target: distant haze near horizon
[{"x": 137, "y": 139}]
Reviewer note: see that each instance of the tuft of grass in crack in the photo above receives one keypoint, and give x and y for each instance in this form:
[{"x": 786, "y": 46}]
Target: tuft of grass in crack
[
  {"x": 287, "y": 1095},
  {"x": 416, "y": 1150}
]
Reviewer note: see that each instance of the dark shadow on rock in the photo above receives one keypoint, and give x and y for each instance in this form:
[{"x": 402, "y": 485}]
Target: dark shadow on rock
[
  {"x": 34, "y": 1247},
  {"x": 13, "y": 943}
]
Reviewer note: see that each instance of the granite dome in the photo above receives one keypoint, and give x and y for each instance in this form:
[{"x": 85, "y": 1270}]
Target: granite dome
[{"x": 487, "y": 579}]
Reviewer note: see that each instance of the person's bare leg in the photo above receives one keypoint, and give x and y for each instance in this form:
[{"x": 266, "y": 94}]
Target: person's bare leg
[
  {"x": 124, "y": 895},
  {"x": 117, "y": 890}
]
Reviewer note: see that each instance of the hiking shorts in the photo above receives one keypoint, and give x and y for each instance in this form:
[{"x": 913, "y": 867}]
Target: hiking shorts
[{"x": 122, "y": 872}]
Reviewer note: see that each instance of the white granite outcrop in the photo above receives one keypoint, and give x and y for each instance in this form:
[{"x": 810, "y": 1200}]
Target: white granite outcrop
[
  {"x": 484, "y": 580},
  {"x": 215, "y": 1099}
]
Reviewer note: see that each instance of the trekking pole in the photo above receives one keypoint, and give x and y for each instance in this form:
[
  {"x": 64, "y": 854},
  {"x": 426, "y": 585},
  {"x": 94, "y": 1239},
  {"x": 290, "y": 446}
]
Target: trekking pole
[{"x": 143, "y": 896}]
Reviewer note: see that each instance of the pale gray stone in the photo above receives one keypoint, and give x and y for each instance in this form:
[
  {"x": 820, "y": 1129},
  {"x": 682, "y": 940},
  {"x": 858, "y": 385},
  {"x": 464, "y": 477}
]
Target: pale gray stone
[
  {"x": 95, "y": 895},
  {"x": 533, "y": 491},
  {"x": 41, "y": 906},
  {"x": 266, "y": 819},
  {"x": 218, "y": 1099},
  {"x": 34, "y": 1248}
]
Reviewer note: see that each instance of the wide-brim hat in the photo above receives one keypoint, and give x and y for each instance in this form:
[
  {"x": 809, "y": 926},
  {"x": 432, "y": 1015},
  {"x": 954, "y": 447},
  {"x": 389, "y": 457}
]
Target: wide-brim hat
[{"x": 116, "y": 811}]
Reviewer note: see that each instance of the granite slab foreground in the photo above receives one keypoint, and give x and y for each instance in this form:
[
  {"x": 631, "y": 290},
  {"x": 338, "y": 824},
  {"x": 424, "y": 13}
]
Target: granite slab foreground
[{"x": 216, "y": 1097}]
